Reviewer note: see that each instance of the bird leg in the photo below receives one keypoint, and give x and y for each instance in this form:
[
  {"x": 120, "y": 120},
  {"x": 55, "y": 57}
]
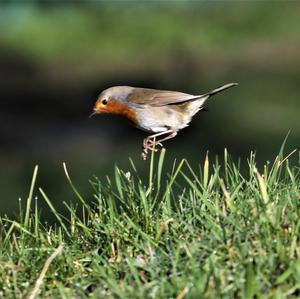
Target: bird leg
[
  {"x": 150, "y": 142},
  {"x": 170, "y": 136}
]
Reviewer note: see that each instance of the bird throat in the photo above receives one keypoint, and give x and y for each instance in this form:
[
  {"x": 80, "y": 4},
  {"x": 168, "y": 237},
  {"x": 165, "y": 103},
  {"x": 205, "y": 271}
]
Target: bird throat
[{"x": 119, "y": 108}]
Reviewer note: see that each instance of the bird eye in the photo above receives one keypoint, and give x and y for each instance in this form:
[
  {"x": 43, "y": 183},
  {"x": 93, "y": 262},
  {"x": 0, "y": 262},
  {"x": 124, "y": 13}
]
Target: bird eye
[{"x": 104, "y": 101}]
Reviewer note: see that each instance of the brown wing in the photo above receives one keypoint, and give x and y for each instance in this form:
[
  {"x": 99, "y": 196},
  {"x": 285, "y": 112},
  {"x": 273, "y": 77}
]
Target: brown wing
[{"x": 153, "y": 97}]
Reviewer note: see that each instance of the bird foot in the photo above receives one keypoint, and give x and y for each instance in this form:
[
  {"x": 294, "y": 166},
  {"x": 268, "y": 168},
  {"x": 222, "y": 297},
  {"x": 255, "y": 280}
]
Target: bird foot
[{"x": 149, "y": 144}]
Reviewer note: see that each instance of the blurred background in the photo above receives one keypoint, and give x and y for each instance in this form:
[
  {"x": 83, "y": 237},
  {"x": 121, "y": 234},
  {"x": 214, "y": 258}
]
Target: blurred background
[{"x": 56, "y": 58}]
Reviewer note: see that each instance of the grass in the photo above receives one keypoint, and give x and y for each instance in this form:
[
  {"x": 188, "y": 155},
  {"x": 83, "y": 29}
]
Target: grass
[{"x": 207, "y": 233}]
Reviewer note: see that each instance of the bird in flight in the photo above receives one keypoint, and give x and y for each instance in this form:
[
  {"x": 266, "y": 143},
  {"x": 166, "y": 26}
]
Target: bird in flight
[{"x": 160, "y": 112}]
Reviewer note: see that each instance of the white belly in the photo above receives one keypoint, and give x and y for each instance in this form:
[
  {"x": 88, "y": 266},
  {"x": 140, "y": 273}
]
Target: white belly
[
  {"x": 156, "y": 120},
  {"x": 160, "y": 119}
]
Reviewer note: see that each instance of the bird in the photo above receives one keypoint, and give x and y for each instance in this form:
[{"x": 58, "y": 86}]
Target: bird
[{"x": 162, "y": 113}]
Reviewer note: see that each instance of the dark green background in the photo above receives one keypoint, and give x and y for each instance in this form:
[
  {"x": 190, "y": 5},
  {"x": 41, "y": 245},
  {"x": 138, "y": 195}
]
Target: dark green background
[{"x": 56, "y": 58}]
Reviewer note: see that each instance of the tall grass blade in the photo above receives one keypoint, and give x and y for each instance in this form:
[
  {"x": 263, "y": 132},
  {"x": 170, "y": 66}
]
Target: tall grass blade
[
  {"x": 226, "y": 163},
  {"x": 160, "y": 167},
  {"x": 173, "y": 177},
  {"x": 55, "y": 213},
  {"x": 29, "y": 199},
  {"x": 74, "y": 188},
  {"x": 151, "y": 172},
  {"x": 205, "y": 170},
  {"x": 118, "y": 181}
]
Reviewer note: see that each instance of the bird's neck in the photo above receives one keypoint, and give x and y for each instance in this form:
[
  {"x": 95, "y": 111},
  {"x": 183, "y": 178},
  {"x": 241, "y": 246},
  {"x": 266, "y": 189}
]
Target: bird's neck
[{"x": 119, "y": 108}]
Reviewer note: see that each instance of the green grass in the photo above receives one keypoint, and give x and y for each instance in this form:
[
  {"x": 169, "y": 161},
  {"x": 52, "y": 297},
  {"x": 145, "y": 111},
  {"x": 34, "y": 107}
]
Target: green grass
[{"x": 211, "y": 232}]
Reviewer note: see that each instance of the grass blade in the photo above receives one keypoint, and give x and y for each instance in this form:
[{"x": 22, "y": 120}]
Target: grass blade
[
  {"x": 55, "y": 213},
  {"x": 29, "y": 199}
]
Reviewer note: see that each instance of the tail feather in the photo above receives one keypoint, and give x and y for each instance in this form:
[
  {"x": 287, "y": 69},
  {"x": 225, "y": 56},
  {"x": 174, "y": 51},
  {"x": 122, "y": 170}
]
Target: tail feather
[
  {"x": 205, "y": 96},
  {"x": 219, "y": 89}
]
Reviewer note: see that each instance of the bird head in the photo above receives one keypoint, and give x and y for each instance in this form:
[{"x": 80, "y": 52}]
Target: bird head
[
  {"x": 114, "y": 101},
  {"x": 102, "y": 105},
  {"x": 109, "y": 99}
]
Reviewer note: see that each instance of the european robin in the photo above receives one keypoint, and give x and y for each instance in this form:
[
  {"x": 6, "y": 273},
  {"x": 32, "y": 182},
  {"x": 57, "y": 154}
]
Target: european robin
[{"x": 160, "y": 112}]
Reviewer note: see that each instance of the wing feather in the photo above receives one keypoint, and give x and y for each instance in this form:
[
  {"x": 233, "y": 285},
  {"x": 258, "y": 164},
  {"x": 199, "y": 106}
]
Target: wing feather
[{"x": 153, "y": 97}]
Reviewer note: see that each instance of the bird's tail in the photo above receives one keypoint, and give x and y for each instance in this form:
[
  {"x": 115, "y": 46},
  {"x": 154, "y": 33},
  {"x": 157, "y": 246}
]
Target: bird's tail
[
  {"x": 203, "y": 97},
  {"x": 219, "y": 89}
]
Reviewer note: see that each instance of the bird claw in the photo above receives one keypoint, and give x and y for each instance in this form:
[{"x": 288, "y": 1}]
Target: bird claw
[
  {"x": 144, "y": 155},
  {"x": 149, "y": 144}
]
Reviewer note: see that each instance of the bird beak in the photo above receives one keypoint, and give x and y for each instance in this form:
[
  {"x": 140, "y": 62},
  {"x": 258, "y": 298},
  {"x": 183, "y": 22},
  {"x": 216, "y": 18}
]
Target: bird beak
[{"x": 92, "y": 114}]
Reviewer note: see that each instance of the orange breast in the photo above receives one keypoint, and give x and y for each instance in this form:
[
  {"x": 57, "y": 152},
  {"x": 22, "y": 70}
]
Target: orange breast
[{"x": 119, "y": 108}]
